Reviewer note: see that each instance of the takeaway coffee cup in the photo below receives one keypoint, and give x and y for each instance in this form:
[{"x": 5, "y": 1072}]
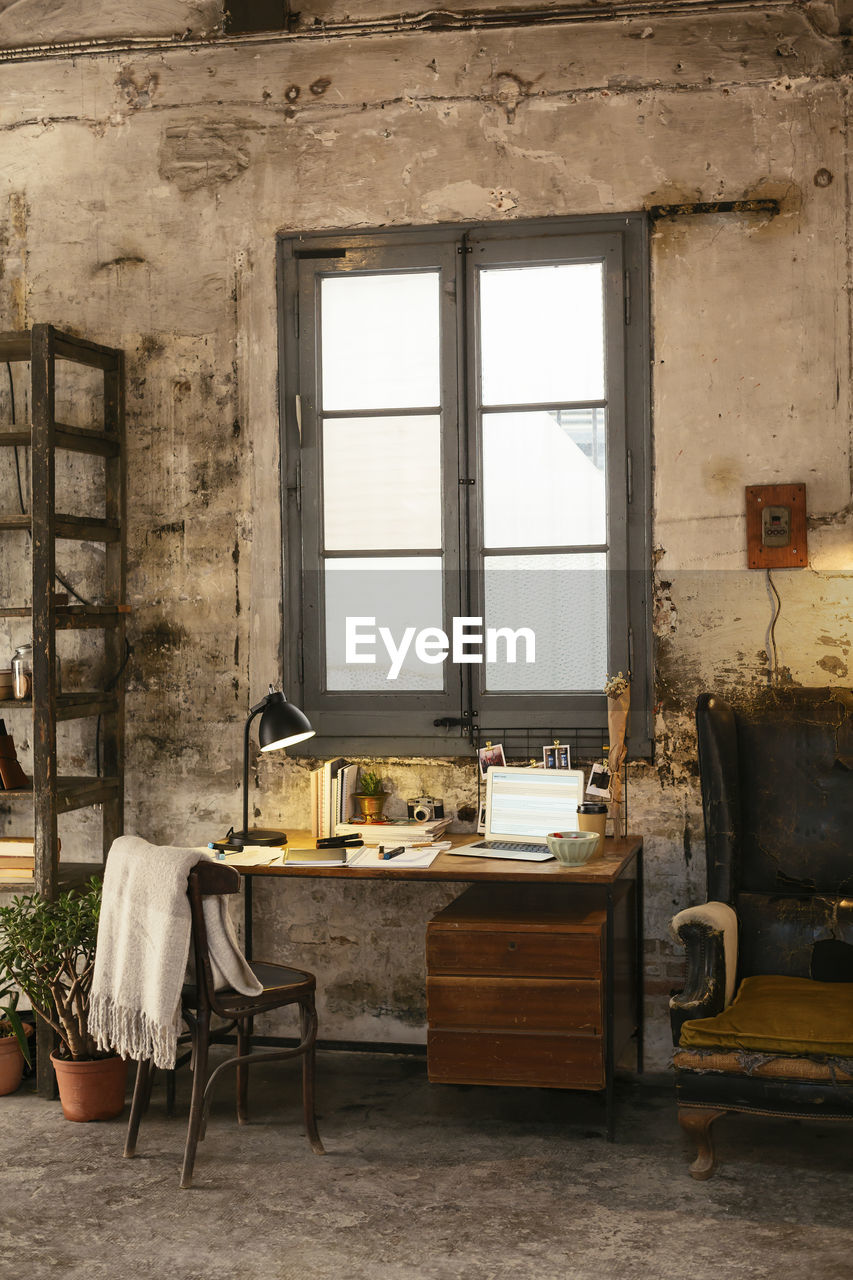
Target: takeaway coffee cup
[{"x": 592, "y": 817}]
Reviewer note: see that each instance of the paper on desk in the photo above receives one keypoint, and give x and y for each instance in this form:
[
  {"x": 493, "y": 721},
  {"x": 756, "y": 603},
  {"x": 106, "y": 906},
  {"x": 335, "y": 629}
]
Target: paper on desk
[
  {"x": 371, "y": 857},
  {"x": 255, "y": 856}
]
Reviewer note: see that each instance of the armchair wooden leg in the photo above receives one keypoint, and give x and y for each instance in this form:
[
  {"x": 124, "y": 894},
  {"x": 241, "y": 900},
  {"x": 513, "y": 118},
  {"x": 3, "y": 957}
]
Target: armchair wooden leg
[
  {"x": 308, "y": 1026},
  {"x": 141, "y": 1095},
  {"x": 201, "y": 1041},
  {"x": 697, "y": 1121},
  {"x": 244, "y": 1045}
]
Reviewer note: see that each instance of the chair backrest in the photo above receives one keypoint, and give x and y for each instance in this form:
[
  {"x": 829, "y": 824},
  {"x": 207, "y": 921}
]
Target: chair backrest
[
  {"x": 777, "y": 793},
  {"x": 205, "y": 879}
]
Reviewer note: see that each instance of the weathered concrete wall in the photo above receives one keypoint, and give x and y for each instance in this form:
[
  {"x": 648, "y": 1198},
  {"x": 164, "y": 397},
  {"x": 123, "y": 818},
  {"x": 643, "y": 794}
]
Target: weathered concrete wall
[{"x": 140, "y": 201}]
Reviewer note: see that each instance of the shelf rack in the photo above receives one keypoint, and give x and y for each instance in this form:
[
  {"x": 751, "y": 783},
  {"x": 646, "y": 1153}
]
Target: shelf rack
[{"x": 53, "y": 794}]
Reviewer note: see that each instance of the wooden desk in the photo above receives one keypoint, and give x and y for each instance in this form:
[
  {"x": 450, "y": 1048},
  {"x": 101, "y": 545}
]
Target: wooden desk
[{"x": 613, "y": 878}]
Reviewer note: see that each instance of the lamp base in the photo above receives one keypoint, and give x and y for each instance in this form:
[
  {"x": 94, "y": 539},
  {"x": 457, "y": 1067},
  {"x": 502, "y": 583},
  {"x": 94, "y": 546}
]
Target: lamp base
[{"x": 259, "y": 836}]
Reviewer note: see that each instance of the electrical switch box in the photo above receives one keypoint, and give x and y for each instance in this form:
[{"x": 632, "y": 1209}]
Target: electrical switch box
[{"x": 776, "y": 526}]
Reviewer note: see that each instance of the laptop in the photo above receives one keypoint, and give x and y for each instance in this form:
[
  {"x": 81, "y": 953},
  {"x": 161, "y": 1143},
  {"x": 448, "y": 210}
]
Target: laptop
[{"x": 523, "y": 806}]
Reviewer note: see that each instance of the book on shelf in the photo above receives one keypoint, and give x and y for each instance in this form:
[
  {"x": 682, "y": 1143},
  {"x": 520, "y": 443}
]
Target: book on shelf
[
  {"x": 13, "y": 874},
  {"x": 17, "y": 853}
]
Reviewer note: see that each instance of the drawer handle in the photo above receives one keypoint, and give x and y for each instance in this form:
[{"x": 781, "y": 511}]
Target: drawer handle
[{"x": 511, "y": 946}]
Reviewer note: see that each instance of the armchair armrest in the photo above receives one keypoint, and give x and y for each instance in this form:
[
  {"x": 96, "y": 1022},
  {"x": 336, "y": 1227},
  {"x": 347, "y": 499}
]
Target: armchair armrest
[{"x": 709, "y": 932}]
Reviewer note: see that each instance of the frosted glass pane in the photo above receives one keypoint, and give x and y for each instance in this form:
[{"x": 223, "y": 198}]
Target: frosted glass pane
[
  {"x": 542, "y": 334},
  {"x": 563, "y": 601},
  {"x": 382, "y": 483},
  {"x": 543, "y": 479},
  {"x": 380, "y": 336},
  {"x": 396, "y": 593}
]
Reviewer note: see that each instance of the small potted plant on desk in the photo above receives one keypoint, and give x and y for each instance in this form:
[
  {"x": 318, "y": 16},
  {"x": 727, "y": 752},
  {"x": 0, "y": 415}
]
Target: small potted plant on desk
[
  {"x": 48, "y": 949},
  {"x": 14, "y": 1050},
  {"x": 370, "y": 796}
]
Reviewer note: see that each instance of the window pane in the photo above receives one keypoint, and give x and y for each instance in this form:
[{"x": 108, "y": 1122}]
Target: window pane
[
  {"x": 380, "y": 336},
  {"x": 398, "y": 594},
  {"x": 382, "y": 483},
  {"x": 563, "y": 601},
  {"x": 544, "y": 478},
  {"x": 542, "y": 334}
]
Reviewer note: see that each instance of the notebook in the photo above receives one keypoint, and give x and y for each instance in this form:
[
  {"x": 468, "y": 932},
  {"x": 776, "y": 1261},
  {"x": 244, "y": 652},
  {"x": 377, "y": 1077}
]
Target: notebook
[{"x": 523, "y": 806}]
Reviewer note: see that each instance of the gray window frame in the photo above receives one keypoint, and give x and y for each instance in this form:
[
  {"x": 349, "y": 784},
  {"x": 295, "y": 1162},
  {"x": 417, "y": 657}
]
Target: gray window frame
[{"x": 401, "y": 722}]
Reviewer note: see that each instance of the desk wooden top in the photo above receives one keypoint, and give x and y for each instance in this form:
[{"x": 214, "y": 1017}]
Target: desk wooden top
[{"x": 611, "y": 864}]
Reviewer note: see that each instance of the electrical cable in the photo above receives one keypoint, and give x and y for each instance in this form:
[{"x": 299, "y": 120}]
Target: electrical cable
[
  {"x": 108, "y": 688},
  {"x": 774, "y": 671}
]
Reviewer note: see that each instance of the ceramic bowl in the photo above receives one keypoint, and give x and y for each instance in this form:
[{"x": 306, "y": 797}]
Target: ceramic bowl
[{"x": 573, "y": 848}]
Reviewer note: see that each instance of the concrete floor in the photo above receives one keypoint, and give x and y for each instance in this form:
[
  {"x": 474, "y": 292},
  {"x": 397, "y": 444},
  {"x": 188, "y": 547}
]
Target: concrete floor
[{"x": 421, "y": 1181}]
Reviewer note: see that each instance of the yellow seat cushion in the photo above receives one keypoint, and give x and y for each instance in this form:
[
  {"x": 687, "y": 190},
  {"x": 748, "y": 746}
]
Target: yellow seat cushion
[{"x": 777, "y": 1014}]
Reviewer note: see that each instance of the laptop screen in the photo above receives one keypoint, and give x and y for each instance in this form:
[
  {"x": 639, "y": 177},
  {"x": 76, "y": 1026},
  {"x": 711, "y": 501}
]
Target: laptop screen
[{"x": 529, "y": 804}]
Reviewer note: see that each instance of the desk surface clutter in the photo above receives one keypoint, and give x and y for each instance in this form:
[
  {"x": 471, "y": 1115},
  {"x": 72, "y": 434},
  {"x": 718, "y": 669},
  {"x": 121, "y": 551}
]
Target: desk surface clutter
[{"x": 603, "y": 868}]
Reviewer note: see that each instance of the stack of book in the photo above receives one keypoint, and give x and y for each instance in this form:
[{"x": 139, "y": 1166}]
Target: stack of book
[
  {"x": 17, "y": 858},
  {"x": 332, "y": 787},
  {"x": 400, "y": 831}
]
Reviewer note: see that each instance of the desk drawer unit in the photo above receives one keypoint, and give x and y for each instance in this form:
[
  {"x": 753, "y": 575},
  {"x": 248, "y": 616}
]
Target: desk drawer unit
[{"x": 515, "y": 991}]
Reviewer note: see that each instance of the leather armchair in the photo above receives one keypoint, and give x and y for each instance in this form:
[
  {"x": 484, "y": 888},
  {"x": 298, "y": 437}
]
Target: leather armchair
[{"x": 777, "y": 794}]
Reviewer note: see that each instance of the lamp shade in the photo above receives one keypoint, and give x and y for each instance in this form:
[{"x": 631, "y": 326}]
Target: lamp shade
[{"x": 282, "y": 724}]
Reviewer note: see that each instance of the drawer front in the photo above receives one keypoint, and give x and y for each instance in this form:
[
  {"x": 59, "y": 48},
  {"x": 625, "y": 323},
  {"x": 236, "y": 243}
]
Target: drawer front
[
  {"x": 530, "y": 955},
  {"x": 539, "y": 1061},
  {"x": 515, "y": 1004}
]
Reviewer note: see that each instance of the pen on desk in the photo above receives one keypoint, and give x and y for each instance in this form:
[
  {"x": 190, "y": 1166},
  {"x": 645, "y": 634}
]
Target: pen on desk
[{"x": 385, "y": 854}]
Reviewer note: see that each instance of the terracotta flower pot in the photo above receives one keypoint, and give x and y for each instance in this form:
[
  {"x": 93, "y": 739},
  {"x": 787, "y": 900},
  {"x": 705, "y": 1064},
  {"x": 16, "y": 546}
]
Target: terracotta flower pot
[
  {"x": 91, "y": 1090},
  {"x": 11, "y": 1064}
]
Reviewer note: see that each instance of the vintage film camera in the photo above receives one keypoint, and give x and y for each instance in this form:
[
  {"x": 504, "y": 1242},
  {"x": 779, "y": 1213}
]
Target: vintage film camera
[{"x": 425, "y": 808}]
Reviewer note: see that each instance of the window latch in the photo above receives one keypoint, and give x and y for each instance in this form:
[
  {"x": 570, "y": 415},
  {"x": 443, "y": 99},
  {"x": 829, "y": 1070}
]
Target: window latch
[{"x": 465, "y": 481}]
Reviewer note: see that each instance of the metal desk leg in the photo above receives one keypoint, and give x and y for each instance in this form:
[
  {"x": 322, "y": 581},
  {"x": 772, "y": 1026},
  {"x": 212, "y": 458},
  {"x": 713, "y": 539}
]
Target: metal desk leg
[
  {"x": 609, "y": 1048},
  {"x": 247, "y": 917}
]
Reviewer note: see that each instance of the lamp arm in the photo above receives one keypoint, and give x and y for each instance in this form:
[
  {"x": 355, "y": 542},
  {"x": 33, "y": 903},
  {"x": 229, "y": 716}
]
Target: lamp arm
[{"x": 254, "y": 712}]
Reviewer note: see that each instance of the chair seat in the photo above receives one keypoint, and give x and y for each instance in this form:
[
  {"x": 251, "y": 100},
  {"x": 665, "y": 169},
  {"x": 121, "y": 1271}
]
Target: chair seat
[
  {"x": 773, "y": 1013},
  {"x": 274, "y": 978}
]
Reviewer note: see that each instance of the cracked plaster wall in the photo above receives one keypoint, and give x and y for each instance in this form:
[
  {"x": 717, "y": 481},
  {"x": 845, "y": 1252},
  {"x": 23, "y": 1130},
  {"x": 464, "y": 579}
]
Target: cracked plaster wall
[{"x": 140, "y": 199}]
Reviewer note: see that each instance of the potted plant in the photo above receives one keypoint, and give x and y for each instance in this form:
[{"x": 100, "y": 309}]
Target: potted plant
[
  {"x": 48, "y": 949},
  {"x": 14, "y": 1050},
  {"x": 370, "y": 796}
]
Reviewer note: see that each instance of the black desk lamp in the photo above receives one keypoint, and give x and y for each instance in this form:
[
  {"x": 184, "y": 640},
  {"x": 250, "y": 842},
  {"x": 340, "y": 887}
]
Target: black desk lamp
[{"x": 281, "y": 725}]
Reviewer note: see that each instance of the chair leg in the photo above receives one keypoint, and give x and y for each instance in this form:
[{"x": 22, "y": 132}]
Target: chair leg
[
  {"x": 201, "y": 1041},
  {"x": 139, "y": 1105},
  {"x": 170, "y": 1092},
  {"x": 245, "y": 1027},
  {"x": 697, "y": 1121},
  {"x": 308, "y": 1024}
]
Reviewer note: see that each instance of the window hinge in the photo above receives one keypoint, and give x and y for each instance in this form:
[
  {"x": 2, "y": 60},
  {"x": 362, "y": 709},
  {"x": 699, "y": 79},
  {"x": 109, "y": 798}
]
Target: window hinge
[
  {"x": 630, "y": 650},
  {"x": 298, "y": 484},
  {"x": 296, "y": 315},
  {"x": 464, "y": 248},
  {"x": 629, "y": 475},
  {"x": 300, "y": 662},
  {"x": 627, "y": 291},
  {"x": 465, "y": 481},
  {"x": 297, "y": 406}
]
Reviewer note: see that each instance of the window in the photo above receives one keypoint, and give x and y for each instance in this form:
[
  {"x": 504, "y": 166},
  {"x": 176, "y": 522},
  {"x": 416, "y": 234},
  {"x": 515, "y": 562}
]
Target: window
[{"x": 465, "y": 451}]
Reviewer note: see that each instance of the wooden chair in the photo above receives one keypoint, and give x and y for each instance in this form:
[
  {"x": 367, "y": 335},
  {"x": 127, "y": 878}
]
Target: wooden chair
[{"x": 200, "y": 1001}]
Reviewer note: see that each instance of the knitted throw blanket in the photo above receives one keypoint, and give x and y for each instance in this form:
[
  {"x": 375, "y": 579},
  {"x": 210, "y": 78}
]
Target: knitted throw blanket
[{"x": 143, "y": 946}]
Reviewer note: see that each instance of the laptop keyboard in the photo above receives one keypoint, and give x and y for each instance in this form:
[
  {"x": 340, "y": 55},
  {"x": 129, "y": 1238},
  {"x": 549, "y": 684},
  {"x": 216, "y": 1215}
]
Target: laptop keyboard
[{"x": 513, "y": 846}]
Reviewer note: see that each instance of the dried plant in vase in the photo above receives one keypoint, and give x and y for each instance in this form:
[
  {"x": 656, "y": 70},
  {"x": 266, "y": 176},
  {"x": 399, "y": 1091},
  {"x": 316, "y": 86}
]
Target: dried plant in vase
[{"x": 618, "y": 691}]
